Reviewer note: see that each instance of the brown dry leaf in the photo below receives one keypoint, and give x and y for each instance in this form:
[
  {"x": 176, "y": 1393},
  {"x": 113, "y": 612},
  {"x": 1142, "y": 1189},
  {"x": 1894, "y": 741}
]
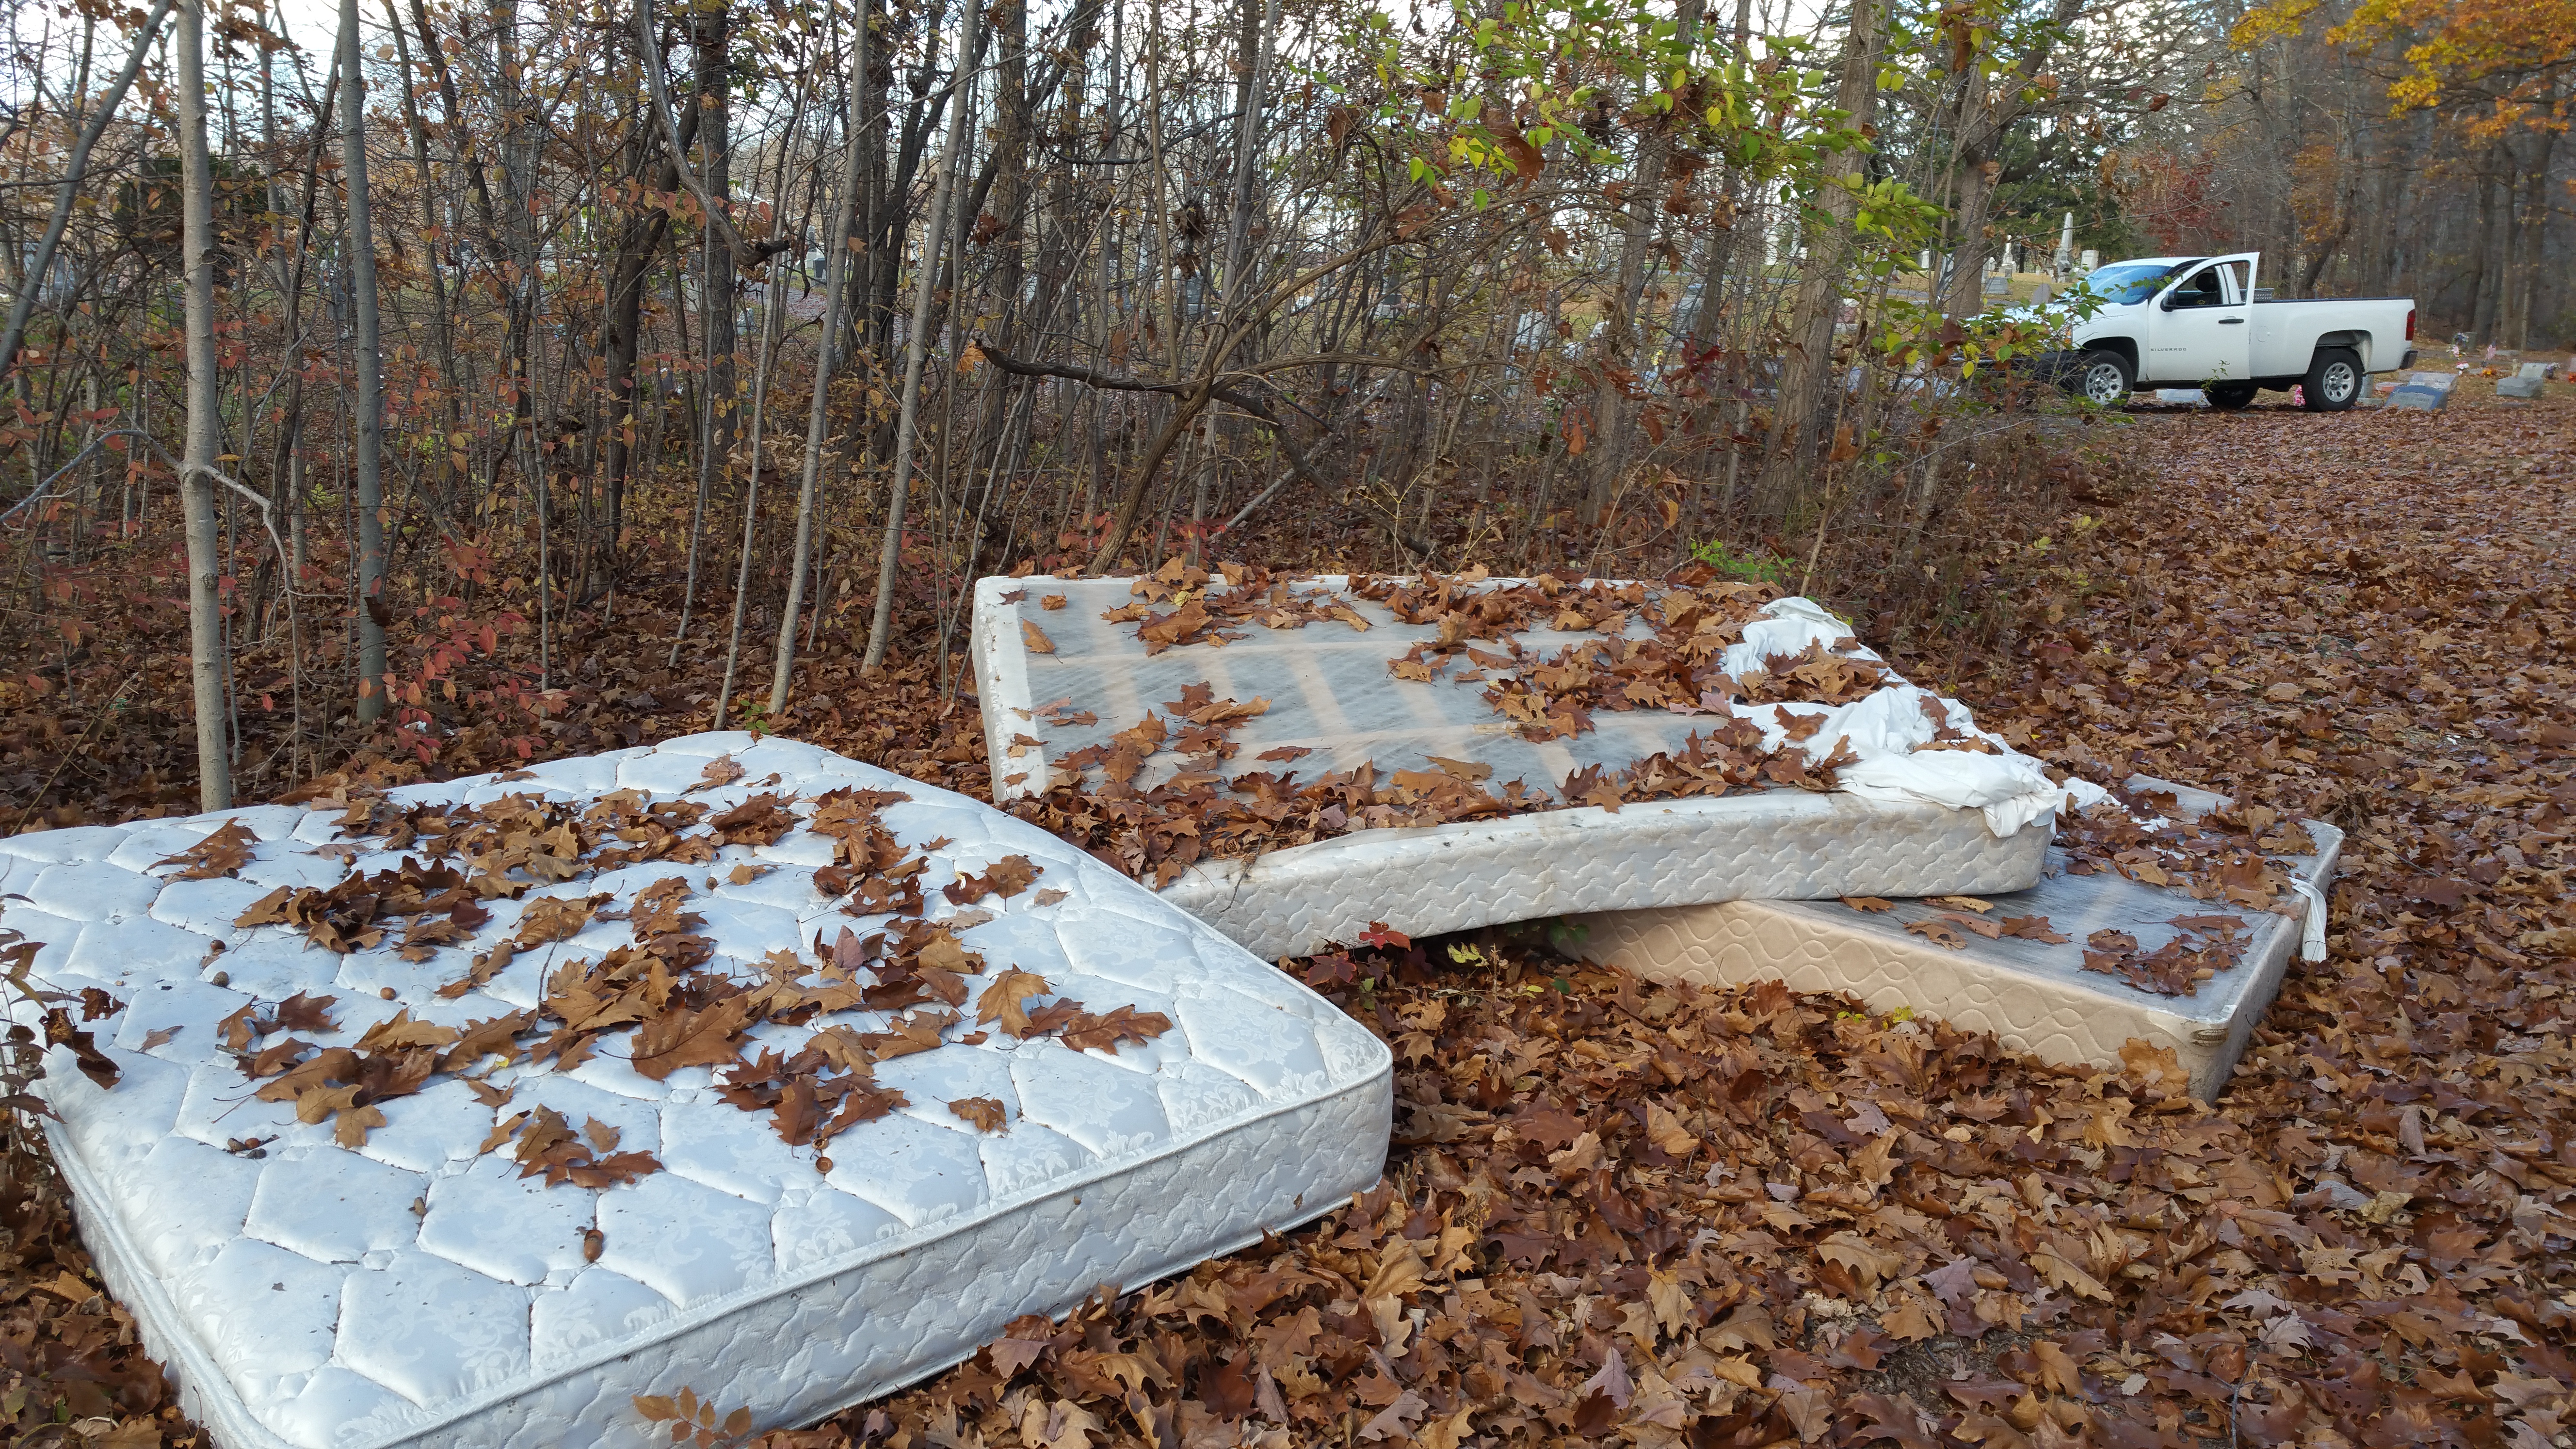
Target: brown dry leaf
[
  {"x": 554, "y": 918},
  {"x": 350, "y": 1127},
  {"x": 1939, "y": 932},
  {"x": 1006, "y": 878},
  {"x": 1868, "y": 903},
  {"x": 1004, "y": 1001},
  {"x": 985, "y": 1113},
  {"x": 1108, "y": 1030},
  {"x": 1960, "y": 903},
  {"x": 719, "y": 772},
  {"x": 2033, "y": 928},
  {"x": 1988, "y": 929},
  {"x": 1035, "y": 638},
  {"x": 222, "y": 853},
  {"x": 685, "y": 1038},
  {"x": 301, "y": 1012}
]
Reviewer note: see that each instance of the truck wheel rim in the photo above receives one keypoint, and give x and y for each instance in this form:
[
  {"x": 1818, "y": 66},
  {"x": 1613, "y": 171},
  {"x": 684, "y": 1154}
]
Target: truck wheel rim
[
  {"x": 2102, "y": 384},
  {"x": 2338, "y": 381}
]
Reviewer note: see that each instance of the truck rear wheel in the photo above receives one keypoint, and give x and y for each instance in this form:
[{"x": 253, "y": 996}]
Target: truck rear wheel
[
  {"x": 2103, "y": 378},
  {"x": 2230, "y": 395},
  {"x": 2334, "y": 381}
]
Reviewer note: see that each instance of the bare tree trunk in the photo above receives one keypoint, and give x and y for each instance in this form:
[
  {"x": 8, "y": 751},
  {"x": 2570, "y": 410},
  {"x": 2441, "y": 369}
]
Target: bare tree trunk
[
  {"x": 1807, "y": 376},
  {"x": 367, "y": 399},
  {"x": 934, "y": 238},
  {"x": 818, "y": 418},
  {"x": 710, "y": 29},
  {"x": 452, "y": 405},
  {"x": 1638, "y": 209},
  {"x": 205, "y": 437},
  {"x": 2482, "y": 291}
]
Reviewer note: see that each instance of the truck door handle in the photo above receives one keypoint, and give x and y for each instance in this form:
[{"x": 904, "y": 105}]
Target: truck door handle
[{"x": 2231, "y": 321}]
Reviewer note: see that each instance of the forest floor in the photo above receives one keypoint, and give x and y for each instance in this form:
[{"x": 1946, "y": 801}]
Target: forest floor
[{"x": 1755, "y": 1217}]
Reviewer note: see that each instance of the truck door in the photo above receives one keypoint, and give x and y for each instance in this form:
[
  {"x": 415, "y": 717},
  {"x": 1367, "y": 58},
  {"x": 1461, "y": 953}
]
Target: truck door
[{"x": 2198, "y": 331}]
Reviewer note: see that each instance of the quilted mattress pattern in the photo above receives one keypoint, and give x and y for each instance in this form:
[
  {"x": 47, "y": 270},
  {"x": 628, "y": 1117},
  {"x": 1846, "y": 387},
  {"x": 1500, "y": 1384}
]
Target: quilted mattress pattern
[
  {"x": 1782, "y": 844},
  {"x": 2035, "y": 997},
  {"x": 1054, "y": 676},
  {"x": 417, "y": 1290}
]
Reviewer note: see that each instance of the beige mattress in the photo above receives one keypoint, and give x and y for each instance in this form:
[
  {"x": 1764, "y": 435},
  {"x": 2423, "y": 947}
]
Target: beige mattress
[{"x": 2035, "y": 997}]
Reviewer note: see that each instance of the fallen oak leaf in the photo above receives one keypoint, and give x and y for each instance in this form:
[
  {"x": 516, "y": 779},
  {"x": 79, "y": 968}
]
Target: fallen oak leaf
[
  {"x": 350, "y": 1128},
  {"x": 2034, "y": 928},
  {"x": 1005, "y": 1001},
  {"x": 1035, "y": 638},
  {"x": 1988, "y": 929},
  {"x": 554, "y": 918},
  {"x": 1006, "y": 878},
  {"x": 985, "y": 1113},
  {"x": 1868, "y": 903},
  {"x": 304, "y": 1013},
  {"x": 222, "y": 853},
  {"x": 1939, "y": 932},
  {"x": 720, "y": 771},
  {"x": 1106, "y": 1031}
]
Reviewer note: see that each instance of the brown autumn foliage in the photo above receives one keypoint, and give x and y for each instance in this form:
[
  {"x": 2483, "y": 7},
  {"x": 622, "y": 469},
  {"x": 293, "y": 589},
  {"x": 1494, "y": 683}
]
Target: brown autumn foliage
[{"x": 1620, "y": 1213}]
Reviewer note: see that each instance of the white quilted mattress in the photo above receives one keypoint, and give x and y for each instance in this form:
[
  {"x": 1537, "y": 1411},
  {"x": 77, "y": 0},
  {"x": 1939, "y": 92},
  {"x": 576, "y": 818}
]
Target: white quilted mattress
[
  {"x": 2036, "y": 997},
  {"x": 1054, "y": 677},
  {"x": 419, "y": 1288}
]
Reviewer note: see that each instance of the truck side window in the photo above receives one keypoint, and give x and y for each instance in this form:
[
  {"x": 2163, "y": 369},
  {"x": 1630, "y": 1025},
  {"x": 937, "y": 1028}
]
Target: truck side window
[{"x": 2201, "y": 291}]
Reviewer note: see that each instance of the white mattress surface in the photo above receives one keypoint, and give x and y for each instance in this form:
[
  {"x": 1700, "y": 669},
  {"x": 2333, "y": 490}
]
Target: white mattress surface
[
  {"x": 2035, "y": 996},
  {"x": 1057, "y": 679},
  {"x": 417, "y": 1289}
]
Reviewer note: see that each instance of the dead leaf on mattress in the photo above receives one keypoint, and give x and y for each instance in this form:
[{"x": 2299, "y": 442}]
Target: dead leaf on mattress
[
  {"x": 222, "y": 853},
  {"x": 1960, "y": 903},
  {"x": 2034, "y": 928},
  {"x": 1939, "y": 933},
  {"x": 1988, "y": 929},
  {"x": 985, "y": 1113},
  {"x": 1868, "y": 903}
]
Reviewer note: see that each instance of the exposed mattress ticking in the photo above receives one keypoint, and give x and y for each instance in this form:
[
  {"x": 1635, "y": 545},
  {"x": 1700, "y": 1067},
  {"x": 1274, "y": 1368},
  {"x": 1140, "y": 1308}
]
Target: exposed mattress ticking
[
  {"x": 2035, "y": 996},
  {"x": 1920, "y": 801},
  {"x": 378, "y": 1260}
]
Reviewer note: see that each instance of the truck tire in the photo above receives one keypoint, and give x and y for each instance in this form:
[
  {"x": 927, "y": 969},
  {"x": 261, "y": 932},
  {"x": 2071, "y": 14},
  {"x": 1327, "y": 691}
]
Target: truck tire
[
  {"x": 2103, "y": 378},
  {"x": 2334, "y": 381},
  {"x": 2229, "y": 396}
]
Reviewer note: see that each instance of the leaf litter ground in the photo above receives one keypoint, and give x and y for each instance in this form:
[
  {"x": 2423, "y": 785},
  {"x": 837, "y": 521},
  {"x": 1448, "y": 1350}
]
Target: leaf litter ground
[{"x": 1665, "y": 1217}]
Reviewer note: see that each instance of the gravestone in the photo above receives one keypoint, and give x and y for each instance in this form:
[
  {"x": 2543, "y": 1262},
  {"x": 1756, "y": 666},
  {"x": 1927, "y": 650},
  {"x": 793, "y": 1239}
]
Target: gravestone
[
  {"x": 2059, "y": 971},
  {"x": 463, "y": 1114},
  {"x": 2428, "y": 392},
  {"x": 2528, "y": 381}
]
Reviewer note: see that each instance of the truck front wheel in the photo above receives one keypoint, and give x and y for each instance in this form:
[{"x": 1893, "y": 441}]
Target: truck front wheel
[
  {"x": 2103, "y": 378},
  {"x": 2334, "y": 381}
]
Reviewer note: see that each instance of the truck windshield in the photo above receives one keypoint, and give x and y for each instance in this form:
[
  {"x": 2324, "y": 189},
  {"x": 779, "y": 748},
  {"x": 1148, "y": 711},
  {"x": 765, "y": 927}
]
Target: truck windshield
[{"x": 2130, "y": 281}]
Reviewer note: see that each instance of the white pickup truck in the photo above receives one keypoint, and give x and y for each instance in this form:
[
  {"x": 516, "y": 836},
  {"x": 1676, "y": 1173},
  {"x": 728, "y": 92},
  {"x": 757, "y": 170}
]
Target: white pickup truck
[{"x": 2203, "y": 322}]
